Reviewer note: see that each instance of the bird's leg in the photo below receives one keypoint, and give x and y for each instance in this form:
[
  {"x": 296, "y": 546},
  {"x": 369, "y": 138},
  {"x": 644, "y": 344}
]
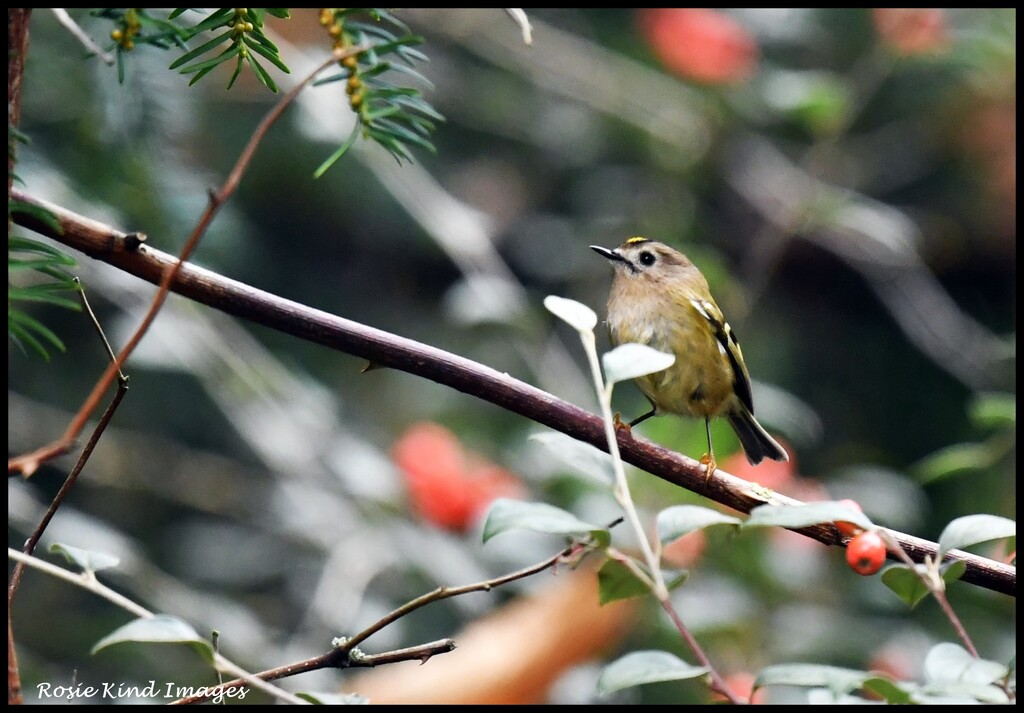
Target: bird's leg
[
  {"x": 641, "y": 419},
  {"x": 628, "y": 427},
  {"x": 708, "y": 459}
]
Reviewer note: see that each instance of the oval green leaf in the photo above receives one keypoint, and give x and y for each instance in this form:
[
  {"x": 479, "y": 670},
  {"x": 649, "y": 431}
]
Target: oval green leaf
[
  {"x": 160, "y": 629},
  {"x": 838, "y": 680},
  {"x": 616, "y": 581},
  {"x": 796, "y": 516},
  {"x": 994, "y": 410},
  {"x": 642, "y": 667},
  {"x": 581, "y": 457},
  {"x": 506, "y": 514},
  {"x": 576, "y": 314},
  {"x": 954, "y": 460},
  {"x": 951, "y": 663},
  {"x": 952, "y": 571},
  {"x": 902, "y": 580},
  {"x": 628, "y": 361},
  {"x": 87, "y": 560},
  {"x": 972, "y": 529},
  {"x": 888, "y": 690},
  {"x": 679, "y": 520}
]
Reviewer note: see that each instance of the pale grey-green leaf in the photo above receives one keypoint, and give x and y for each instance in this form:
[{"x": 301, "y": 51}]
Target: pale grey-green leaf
[
  {"x": 806, "y": 515},
  {"x": 628, "y": 361},
  {"x": 86, "y": 559},
  {"x": 948, "y": 662},
  {"x": 642, "y": 667},
  {"x": 838, "y": 680},
  {"x": 158, "y": 629},
  {"x": 576, "y": 314},
  {"x": 679, "y": 520},
  {"x": 581, "y": 457},
  {"x": 972, "y": 529},
  {"x": 506, "y": 514}
]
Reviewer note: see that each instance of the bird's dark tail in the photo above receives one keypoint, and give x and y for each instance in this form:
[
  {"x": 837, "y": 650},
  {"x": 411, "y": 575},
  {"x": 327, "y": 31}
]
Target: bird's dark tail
[{"x": 757, "y": 444}]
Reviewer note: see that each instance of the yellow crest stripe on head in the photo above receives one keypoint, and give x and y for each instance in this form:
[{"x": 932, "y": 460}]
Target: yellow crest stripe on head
[{"x": 637, "y": 239}]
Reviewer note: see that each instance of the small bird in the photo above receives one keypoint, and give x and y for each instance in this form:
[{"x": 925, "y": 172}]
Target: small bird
[{"x": 659, "y": 298}]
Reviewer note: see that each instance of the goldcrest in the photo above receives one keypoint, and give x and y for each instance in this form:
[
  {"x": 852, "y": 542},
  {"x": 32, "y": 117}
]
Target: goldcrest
[{"x": 659, "y": 298}]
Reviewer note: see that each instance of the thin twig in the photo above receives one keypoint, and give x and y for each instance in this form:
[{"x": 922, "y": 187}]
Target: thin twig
[
  {"x": 33, "y": 540},
  {"x": 122, "y": 389},
  {"x": 75, "y": 29},
  {"x": 28, "y": 463},
  {"x": 447, "y": 592},
  {"x": 421, "y": 653},
  {"x": 99, "y": 329},
  {"x": 344, "y": 655},
  {"x": 717, "y": 682}
]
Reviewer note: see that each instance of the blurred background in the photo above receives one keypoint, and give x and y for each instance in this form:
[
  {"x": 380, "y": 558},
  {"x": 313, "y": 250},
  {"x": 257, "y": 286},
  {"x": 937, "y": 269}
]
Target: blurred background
[{"x": 846, "y": 180}]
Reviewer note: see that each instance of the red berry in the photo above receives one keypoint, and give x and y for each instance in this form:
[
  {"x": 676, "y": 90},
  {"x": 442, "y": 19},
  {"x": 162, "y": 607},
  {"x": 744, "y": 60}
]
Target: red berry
[
  {"x": 912, "y": 31},
  {"x": 866, "y": 553},
  {"x": 448, "y": 486},
  {"x": 700, "y": 44},
  {"x": 848, "y": 528}
]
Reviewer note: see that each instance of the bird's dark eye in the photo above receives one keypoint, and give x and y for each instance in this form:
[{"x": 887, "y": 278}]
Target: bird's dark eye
[{"x": 647, "y": 258}]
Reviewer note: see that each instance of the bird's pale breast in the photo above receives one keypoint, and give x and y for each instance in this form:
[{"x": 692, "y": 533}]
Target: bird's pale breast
[{"x": 692, "y": 386}]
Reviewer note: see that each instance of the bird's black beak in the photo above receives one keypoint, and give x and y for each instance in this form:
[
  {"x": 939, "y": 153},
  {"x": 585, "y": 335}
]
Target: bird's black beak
[{"x": 613, "y": 255}]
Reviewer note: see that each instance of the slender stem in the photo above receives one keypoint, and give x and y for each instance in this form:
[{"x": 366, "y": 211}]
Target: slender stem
[
  {"x": 75, "y": 29},
  {"x": 940, "y": 597},
  {"x": 99, "y": 329},
  {"x": 656, "y": 581},
  {"x": 420, "y": 652},
  {"x": 932, "y": 579},
  {"x": 717, "y": 682},
  {"x": 85, "y": 580},
  {"x": 621, "y": 485},
  {"x": 33, "y": 540},
  {"x": 447, "y": 592}
]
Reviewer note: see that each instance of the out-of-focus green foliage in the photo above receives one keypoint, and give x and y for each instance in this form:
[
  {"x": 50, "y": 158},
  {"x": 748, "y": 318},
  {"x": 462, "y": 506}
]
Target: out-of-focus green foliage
[{"x": 27, "y": 256}]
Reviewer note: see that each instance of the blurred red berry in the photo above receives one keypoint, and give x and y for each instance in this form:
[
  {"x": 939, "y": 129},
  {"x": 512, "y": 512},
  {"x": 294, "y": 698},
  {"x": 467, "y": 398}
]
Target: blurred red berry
[
  {"x": 446, "y": 487},
  {"x": 686, "y": 550},
  {"x": 428, "y": 451},
  {"x": 848, "y": 528},
  {"x": 866, "y": 553},
  {"x": 912, "y": 30},
  {"x": 700, "y": 44},
  {"x": 741, "y": 683},
  {"x": 769, "y": 473},
  {"x": 895, "y": 661}
]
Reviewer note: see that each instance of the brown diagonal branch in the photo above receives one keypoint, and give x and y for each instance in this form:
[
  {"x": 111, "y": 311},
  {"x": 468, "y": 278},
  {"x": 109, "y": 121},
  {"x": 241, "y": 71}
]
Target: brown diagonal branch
[{"x": 104, "y": 243}]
